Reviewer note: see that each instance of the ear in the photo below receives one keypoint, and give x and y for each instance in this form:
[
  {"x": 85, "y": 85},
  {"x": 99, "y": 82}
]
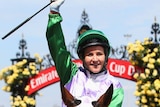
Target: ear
[
  {"x": 105, "y": 99},
  {"x": 67, "y": 97}
]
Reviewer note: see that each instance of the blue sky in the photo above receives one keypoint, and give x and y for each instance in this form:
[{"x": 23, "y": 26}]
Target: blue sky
[{"x": 115, "y": 18}]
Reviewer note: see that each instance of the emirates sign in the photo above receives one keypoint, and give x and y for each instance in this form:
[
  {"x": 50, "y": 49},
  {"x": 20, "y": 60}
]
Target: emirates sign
[
  {"x": 42, "y": 79},
  {"x": 118, "y": 68}
]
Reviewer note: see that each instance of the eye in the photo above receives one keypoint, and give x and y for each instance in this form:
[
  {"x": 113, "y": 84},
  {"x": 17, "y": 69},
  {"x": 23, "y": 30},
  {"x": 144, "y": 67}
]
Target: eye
[
  {"x": 76, "y": 102},
  {"x": 89, "y": 54},
  {"x": 95, "y": 103},
  {"x": 99, "y": 53}
]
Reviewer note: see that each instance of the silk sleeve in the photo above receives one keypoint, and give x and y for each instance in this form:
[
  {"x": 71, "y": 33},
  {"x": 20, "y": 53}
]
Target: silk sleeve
[
  {"x": 117, "y": 98},
  {"x": 57, "y": 47}
]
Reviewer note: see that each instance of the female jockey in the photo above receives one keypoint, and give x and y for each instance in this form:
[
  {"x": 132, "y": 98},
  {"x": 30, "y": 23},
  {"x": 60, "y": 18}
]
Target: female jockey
[{"x": 91, "y": 79}]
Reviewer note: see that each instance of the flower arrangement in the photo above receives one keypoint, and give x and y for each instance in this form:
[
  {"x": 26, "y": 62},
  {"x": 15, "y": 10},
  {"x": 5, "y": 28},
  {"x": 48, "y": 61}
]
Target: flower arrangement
[
  {"x": 146, "y": 55},
  {"x": 16, "y": 78}
]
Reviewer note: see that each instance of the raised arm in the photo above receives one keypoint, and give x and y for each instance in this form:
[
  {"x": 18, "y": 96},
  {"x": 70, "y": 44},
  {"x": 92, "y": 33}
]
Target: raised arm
[{"x": 56, "y": 44}]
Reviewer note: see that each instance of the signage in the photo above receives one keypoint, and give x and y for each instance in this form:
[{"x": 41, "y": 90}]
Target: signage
[
  {"x": 42, "y": 79},
  {"x": 122, "y": 68},
  {"x": 116, "y": 67}
]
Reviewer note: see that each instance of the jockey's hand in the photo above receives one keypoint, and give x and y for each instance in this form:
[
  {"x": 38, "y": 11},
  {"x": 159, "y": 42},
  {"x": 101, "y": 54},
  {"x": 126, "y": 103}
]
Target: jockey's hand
[{"x": 55, "y": 5}]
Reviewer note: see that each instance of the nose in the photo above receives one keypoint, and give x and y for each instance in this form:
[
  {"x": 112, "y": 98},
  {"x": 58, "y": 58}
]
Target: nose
[{"x": 95, "y": 58}]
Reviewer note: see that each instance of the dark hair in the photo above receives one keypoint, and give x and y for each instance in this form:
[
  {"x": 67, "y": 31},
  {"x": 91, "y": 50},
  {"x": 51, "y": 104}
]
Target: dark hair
[{"x": 83, "y": 27}]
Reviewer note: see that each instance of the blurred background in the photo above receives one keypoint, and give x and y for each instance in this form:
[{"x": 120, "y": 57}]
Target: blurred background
[{"x": 122, "y": 21}]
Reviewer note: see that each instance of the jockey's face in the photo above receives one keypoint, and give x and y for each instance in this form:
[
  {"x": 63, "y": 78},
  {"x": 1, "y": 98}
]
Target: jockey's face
[{"x": 94, "y": 58}]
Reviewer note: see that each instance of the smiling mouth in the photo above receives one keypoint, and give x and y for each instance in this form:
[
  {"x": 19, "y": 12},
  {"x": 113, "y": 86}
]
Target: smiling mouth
[{"x": 95, "y": 64}]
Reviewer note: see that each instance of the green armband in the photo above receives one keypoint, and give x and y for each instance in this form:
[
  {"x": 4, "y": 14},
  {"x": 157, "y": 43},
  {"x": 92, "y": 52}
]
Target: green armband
[{"x": 55, "y": 18}]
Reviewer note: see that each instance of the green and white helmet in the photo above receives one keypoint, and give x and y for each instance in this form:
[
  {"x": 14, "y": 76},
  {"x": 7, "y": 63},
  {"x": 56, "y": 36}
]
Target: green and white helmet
[{"x": 92, "y": 38}]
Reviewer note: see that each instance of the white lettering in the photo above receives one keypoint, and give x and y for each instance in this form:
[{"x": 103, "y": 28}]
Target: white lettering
[
  {"x": 33, "y": 84},
  {"x": 117, "y": 68},
  {"x": 131, "y": 70},
  {"x": 43, "y": 79}
]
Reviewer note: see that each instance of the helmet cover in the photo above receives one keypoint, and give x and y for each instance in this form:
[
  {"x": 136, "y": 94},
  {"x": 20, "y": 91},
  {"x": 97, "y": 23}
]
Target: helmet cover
[{"x": 92, "y": 38}]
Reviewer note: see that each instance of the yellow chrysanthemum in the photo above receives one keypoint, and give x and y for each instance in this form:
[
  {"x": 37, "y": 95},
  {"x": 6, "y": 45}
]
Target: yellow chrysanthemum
[
  {"x": 155, "y": 50},
  {"x": 152, "y": 60},
  {"x": 155, "y": 72},
  {"x": 150, "y": 65},
  {"x": 16, "y": 74},
  {"x": 144, "y": 100},
  {"x": 147, "y": 71},
  {"x": 142, "y": 75},
  {"x": 26, "y": 88}
]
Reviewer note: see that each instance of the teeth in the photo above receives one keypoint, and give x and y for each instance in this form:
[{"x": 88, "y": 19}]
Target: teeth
[{"x": 95, "y": 64}]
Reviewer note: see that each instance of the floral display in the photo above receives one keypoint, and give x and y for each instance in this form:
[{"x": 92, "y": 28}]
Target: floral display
[
  {"x": 146, "y": 54},
  {"x": 16, "y": 78}
]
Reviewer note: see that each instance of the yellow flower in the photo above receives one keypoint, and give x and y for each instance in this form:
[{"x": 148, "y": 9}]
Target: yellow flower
[
  {"x": 33, "y": 72},
  {"x": 25, "y": 98},
  {"x": 26, "y": 72},
  {"x": 156, "y": 95},
  {"x": 155, "y": 50},
  {"x": 1, "y": 75},
  {"x": 11, "y": 97},
  {"x": 145, "y": 106},
  {"x": 133, "y": 63},
  {"x": 143, "y": 92},
  {"x": 137, "y": 102},
  {"x": 15, "y": 70},
  {"x": 137, "y": 93},
  {"x": 156, "y": 99},
  {"x": 136, "y": 75},
  {"x": 16, "y": 103},
  {"x": 130, "y": 51},
  {"x": 148, "y": 51},
  {"x": 27, "y": 88},
  {"x": 153, "y": 54},
  {"x": 155, "y": 72},
  {"x": 138, "y": 42},
  {"x": 22, "y": 104},
  {"x": 144, "y": 100},
  {"x": 149, "y": 92},
  {"x": 150, "y": 65},
  {"x": 24, "y": 61},
  {"x": 137, "y": 49},
  {"x": 158, "y": 60},
  {"x": 10, "y": 80},
  {"x": 146, "y": 40},
  {"x": 152, "y": 60},
  {"x": 157, "y": 84},
  {"x": 17, "y": 98},
  {"x": 36, "y": 55},
  {"x": 147, "y": 71},
  {"x": 32, "y": 66},
  {"x": 4, "y": 88},
  {"x": 40, "y": 60},
  {"x": 152, "y": 104},
  {"x": 19, "y": 64},
  {"x": 142, "y": 75},
  {"x": 145, "y": 59},
  {"x": 33, "y": 102},
  {"x": 153, "y": 91},
  {"x": 8, "y": 89},
  {"x": 16, "y": 74}
]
